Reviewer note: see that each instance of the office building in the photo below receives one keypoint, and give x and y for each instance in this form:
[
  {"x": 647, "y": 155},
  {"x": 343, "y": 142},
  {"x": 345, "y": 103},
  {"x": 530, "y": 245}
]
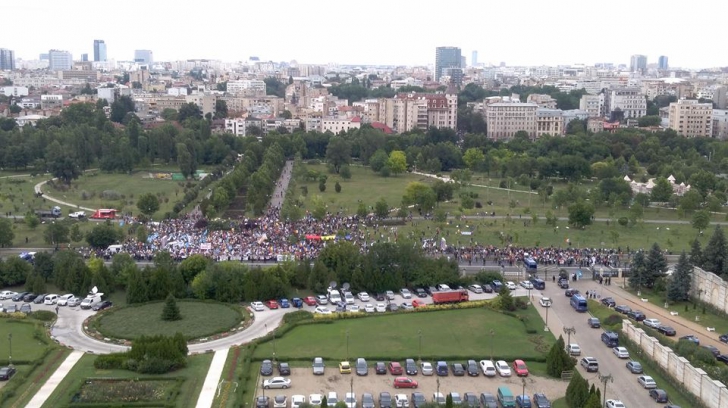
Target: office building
[
  {"x": 84, "y": 57},
  {"x": 143, "y": 56},
  {"x": 625, "y": 103},
  {"x": 638, "y": 63},
  {"x": 720, "y": 97},
  {"x": 504, "y": 119},
  {"x": 463, "y": 62},
  {"x": 720, "y": 124},
  {"x": 60, "y": 60},
  {"x": 7, "y": 59},
  {"x": 43, "y": 57},
  {"x": 662, "y": 63},
  {"x": 474, "y": 59},
  {"x": 690, "y": 118},
  {"x": 99, "y": 50},
  {"x": 446, "y": 57}
]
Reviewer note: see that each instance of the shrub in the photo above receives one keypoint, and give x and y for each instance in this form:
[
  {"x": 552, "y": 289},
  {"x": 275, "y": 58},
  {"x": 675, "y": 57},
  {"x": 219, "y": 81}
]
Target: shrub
[
  {"x": 298, "y": 316},
  {"x": 111, "y": 195},
  {"x": 612, "y": 320},
  {"x": 43, "y": 315}
]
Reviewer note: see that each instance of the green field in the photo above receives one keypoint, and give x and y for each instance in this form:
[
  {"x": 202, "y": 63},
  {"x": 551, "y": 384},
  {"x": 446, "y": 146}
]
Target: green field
[
  {"x": 25, "y": 347},
  {"x": 199, "y": 319},
  {"x": 451, "y": 334},
  {"x": 194, "y": 375}
]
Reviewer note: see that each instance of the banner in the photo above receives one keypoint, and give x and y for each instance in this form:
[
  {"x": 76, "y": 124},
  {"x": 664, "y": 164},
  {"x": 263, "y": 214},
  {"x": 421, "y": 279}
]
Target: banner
[{"x": 206, "y": 246}]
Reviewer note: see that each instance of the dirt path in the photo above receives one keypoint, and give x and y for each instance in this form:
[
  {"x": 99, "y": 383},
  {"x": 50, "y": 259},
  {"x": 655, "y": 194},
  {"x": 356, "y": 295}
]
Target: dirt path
[{"x": 279, "y": 194}]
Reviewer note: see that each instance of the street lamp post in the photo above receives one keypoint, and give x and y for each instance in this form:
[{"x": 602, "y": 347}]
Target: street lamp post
[
  {"x": 523, "y": 381},
  {"x": 569, "y": 331},
  {"x": 419, "y": 334},
  {"x": 10, "y": 351},
  {"x": 351, "y": 387},
  {"x": 492, "y": 338},
  {"x": 262, "y": 385},
  {"x": 347, "y": 345},
  {"x": 438, "y": 389},
  {"x": 546, "y": 327},
  {"x": 605, "y": 379}
]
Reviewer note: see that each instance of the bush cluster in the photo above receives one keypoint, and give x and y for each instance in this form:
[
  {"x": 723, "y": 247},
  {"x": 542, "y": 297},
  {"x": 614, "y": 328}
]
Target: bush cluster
[{"x": 148, "y": 355}]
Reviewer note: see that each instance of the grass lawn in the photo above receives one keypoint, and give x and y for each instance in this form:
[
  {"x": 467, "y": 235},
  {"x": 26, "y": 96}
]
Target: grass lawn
[
  {"x": 227, "y": 398},
  {"x": 25, "y": 347},
  {"x": 559, "y": 403},
  {"x": 194, "y": 374},
  {"x": 17, "y": 195},
  {"x": 35, "y": 379},
  {"x": 453, "y": 334},
  {"x": 199, "y": 319}
]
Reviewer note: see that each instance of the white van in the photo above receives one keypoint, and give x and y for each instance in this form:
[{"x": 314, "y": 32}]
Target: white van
[
  {"x": 63, "y": 300},
  {"x": 50, "y": 299},
  {"x": 91, "y": 300},
  {"x": 114, "y": 249}
]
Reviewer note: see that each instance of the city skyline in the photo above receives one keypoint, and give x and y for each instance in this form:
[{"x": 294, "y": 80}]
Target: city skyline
[{"x": 511, "y": 38}]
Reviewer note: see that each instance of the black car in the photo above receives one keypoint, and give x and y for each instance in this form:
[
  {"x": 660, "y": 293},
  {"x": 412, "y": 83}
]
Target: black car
[
  {"x": 593, "y": 322},
  {"x": 564, "y": 284},
  {"x": 410, "y": 367},
  {"x": 380, "y": 297},
  {"x": 380, "y": 368},
  {"x": 540, "y": 401},
  {"x": 488, "y": 400},
  {"x": 622, "y": 309},
  {"x": 421, "y": 293},
  {"x": 284, "y": 369},
  {"x": 102, "y": 305},
  {"x": 392, "y": 307},
  {"x": 571, "y": 292},
  {"x": 609, "y": 302},
  {"x": 723, "y": 338},
  {"x": 636, "y": 315},
  {"x": 6, "y": 373},
  {"x": 471, "y": 399},
  {"x": 40, "y": 298},
  {"x": 713, "y": 350},
  {"x": 430, "y": 290},
  {"x": 473, "y": 369},
  {"x": 691, "y": 337},
  {"x": 722, "y": 358},
  {"x": 385, "y": 400},
  {"x": 634, "y": 367},
  {"x": 262, "y": 402},
  {"x": 25, "y": 308},
  {"x": 458, "y": 370},
  {"x": 29, "y": 297},
  {"x": 266, "y": 367},
  {"x": 666, "y": 330},
  {"x": 658, "y": 395},
  {"x": 418, "y": 399},
  {"x": 367, "y": 400},
  {"x": 487, "y": 288},
  {"x": 19, "y": 296}
]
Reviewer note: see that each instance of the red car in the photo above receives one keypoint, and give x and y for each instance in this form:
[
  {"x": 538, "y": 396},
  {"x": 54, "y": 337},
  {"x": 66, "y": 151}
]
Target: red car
[
  {"x": 310, "y": 300},
  {"x": 395, "y": 368},
  {"x": 404, "y": 382},
  {"x": 520, "y": 368},
  {"x": 272, "y": 304},
  {"x": 418, "y": 303}
]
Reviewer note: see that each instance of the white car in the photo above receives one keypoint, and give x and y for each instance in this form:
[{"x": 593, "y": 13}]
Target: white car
[
  {"x": 654, "y": 323},
  {"x": 322, "y": 310},
  {"x": 406, "y": 294},
  {"x": 646, "y": 381},
  {"x": 51, "y": 299},
  {"x": 332, "y": 399},
  {"x": 363, "y": 296},
  {"x": 510, "y": 285},
  {"x": 350, "y": 400},
  {"x": 63, "y": 300},
  {"x": 349, "y": 298},
  {"x": 573, "y": 349},
  {"x": 277, "y": 382},
  {"x": 315, "y": 399},
  {"x": 475, "y": 288},
  {"x": 400, "y": 401},
  {"x": 353, "y": 309},
  {"x": 77, "y": 214},
  {"x": 527, "y": 285},
  {"x": 257, "y": 306},
  {"x": 438, "y": 398},
  {"x": 503, "y": 369},
  {"x": 620, "y": 352},
  {"x": 7, "y": 294},
  {"x": 615, "y": 404},
  {"x": 426, "y": 368},
  {"x": 545, "y": 302},
  {"x": 488, "y": 368},
  {"x": 280, "y": 401},
  {"x": 381, "y": 307},
  {"x": 298, "y": 400},
  {"x": 369, "y": 308}
]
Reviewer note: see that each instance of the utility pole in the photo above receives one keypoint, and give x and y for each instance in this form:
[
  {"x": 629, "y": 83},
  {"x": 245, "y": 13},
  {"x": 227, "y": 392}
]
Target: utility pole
[
  {"x": 605, "y": 379},
  {"x": 569, "y": 331}
]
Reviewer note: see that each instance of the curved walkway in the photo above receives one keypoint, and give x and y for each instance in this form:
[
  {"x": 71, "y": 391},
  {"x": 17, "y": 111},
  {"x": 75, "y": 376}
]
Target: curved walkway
[{"x": 57, "y": 201}]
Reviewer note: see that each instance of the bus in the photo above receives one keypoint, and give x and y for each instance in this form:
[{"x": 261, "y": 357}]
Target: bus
[
  {"x": 530, "y": 264},
  {"x": 578, "y": 302}
]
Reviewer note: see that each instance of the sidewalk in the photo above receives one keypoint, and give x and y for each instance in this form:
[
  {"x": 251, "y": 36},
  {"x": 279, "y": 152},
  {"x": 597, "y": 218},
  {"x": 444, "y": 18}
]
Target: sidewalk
[
  {"x": 209, "y": 388},
  {"x": 47, "y": 389}
]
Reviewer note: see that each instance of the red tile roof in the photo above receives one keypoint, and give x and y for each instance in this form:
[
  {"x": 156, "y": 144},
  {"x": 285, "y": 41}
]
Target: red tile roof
[{"x": 381, "y": 126}]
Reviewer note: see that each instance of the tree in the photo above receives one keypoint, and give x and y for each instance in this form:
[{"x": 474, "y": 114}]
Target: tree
[
  {"x": 63, "y": 167},
  {"x": 381, "y": 208},
  {"x": 136, "y": 289},
  {"x": 378, "y": 160},
  {"x": 345, "y": 172},
  {"x": 337, "y": 187},
  {"x": 171, "y": 310},
  {"x": 221, "y": 109},
  {"x": 696, "y": 253},
  {"x": 397, "y": 162},
  {"x": 678, "y": 289},
  {"x": 32, "y": 220},
  {"x": 187, "y": 111},
  {"x": 577, "y": 392},
  {"x": 655, "y": 265},
  {"x": 169, "y": 114},
  {"x": 662, "y": 191},
  {"x": 580, "y": 214},
  {"x": 338, "y": 152},
  {"x": 121, "y": 106},
  {"x": 56, "y": 233},
  {"x": 701, "y": 220},
  {"x": 15, "y": 109},
  {"x": 185, "y": 161},
  {"x": 638, "y": 270},
  {"x": 148, "y": 204},
  {"x": 103, "y": 235},
  {"x": 505, "y": 300},
  {"x": 473, "y": 158},
  {"x": 361, "y": 210},
  {"x": 593, "y": 401},
  {"x": 714, "y": 255},
  {"x": 421, "y": 195},
  {"x": 75, "y": 234}
]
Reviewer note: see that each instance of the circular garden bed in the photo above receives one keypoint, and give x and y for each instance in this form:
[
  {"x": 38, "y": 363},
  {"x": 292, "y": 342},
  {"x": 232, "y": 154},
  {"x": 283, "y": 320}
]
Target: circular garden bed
[{"x": 199, "y": 319}]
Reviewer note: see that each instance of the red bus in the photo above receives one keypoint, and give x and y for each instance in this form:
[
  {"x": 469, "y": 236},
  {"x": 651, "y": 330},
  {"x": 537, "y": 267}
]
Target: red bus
[{"x": 104, "y": 214}]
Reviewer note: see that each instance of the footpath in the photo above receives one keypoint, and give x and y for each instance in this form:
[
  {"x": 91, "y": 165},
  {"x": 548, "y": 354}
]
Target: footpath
[
  {"x": 47, "y": 389},
  {"x": 207, "y": 395}
]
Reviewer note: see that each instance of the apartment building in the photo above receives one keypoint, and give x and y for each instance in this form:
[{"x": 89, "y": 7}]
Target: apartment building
[
  {"x": 505, "y": 119},
  {"x": 593, "y": 105},
  {"x": 51, "y": 101},
  {"x": 236, "y": 126},
  {"x": 543, "y": 101},
  {"x": 653, "y": 88},
  {"x": 690, "y": 118},
  {"x": 110, "y": 94},
  {"x": 336, "y": 125},
  {"x": 206, "y": 102},
  {"x": 549, "y": 121},
  {"x": 60, "y": 60},
  {"x": 251, "y": 87},
  {"x": 14, "y": 91},
  {"x": 720, "y": 124},
  {"x": 409, "y": 111},
  {"x": 628, "y": 100},
  {"x": 370, "y": 110}
]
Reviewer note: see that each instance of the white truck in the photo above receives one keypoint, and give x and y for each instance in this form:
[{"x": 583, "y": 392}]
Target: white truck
[{"x": 91, "y": 299}]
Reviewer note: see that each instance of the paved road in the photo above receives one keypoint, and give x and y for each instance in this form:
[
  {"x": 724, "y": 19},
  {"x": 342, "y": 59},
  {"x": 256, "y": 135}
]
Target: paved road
[
  {"x": 38, "y": 190},
  {"x": 279, "y": 193}
]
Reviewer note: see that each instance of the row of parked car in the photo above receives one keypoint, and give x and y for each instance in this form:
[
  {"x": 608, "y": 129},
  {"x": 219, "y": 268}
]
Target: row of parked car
[
  {"x": 93, "y": 301},
  {"x": 441, "y": 368}
]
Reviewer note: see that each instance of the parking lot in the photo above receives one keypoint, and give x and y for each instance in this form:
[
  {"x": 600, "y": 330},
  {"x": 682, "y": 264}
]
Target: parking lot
[{"x": 305, "y": 383}]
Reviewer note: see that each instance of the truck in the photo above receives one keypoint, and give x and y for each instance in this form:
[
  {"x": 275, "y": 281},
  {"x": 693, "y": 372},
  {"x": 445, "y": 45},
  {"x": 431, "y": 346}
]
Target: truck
[
  {"x": 450, "y": 296},
  {"x": 93, "y": 297},
  {"x": 54, "y": 212}
]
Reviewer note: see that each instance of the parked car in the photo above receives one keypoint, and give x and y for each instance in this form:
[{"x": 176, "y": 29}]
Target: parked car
[
  {"x": 545, "y": 302},
  {"x": 410, "y": 367},
  {"x": 381, "y": 308},
  {"x": 280, "y": 401},
  {"x": 367, "y": 400},
  {"x": 39, "y": 299},
  {"x": 7, "y": 294},
  {"x": 266, "y": 368},
  {"x": 380, "y": 368},
  {"x": 380, "y": 297},
  {"x": 654, "y": 323},
  {"x": 421, "y": 292},
  {"x": 284, "y": 368},
  {"x": 10, "y": 308},
  {"x": 105, "y": 304},
  {"x": 344, "y": 367},
  {"x": 723, "y": 338},
  {"x": 29, "y": 297},
  {"x": 272, "y": 304},
  {"x": 622, "y": 309},
  {"x": 593, "y": 322},
  {"x": 322, "y": 300},
  {"x": 475, "y": 288},
  {"x": 471, "y": 399},
  {"x": 646, "y": 381},
  {"x": 285, "y": 304},
  {"x": 472, "y": 368},
  {"x": 540, "y": 401},
  {"x": 74, "y": 302},
  {"x": 395, "y": 368},
  {"x": 615, "y": 404},
  {"x": 262, "y": 401},
  {"x": 620, "y": 352},
  {"x": 277, "y": 382},
  {"x": 527, "y": 285},
  {"x": 385, "y": 400},
  {"x": 401, "y": 401},
  {"x": 369, "y": 308},
  {"x": 487, "y": 288},
  {"x": 457, "y": 369},
  {"x": 405, "y": 293},
  {"x": 563, "y": 283},
  {"x": 666, "y": 330},
  {"x": 310, "y": 300},
  {"x": 438, "y": 398},
  {"x": 573, "y": 349},
  {"x": 257, "y": 306},
  {"x": 441, "y": 369},
  {"x": 392, "y": 307},
  {"x": 318, "y": 366},
  {"x": 322, "y": 310},
  {"x": 18, "y": 297},
  {"x": 590, "y": 364},
  {"x": 723, "y": 358},
  {"x": 502, "y": 368},
  {"x": 691, "y": 337},
  {"x": 63, "y": 300},
  {"x": 6, "y": 373},
  {"x": 714, "y": 350},
  {"x": 488, "y": 368},
  {"x": 25, "y": 308},
  {"x": 297, "y": 303},
  {"x": 404, "y": 382},
  {"x": 608, "y": 302},
  {"x": 350, "y": 400},
  {"x": 361, "y": 367},
  {"x": 523, "y": 401},
  {"x": 363, "y": 296},
  {"x": 658, "y": 395},
  {"x": 455, "y": 398},
  {"x": 520, "y": 368},
  {"x": 511, "y": 285},
  {"x": 315, "y": 399},
  {"x": 571, "y": 292},
  {"x": 487, "y": 400},
  {"x": 636, "y": 315},
  {"x": 332, "y": 399},
  {"x": 634, "y": 367},
  {"x": 426, "y": 368},
  {"x": 389, "y": 294},
  {"x": 298, "y": 400}
]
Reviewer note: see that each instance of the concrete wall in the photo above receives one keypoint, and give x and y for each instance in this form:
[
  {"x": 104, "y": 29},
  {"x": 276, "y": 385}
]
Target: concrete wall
[
  {"x": 710, "y": 288},
  {"x": 711, "y": 392}
]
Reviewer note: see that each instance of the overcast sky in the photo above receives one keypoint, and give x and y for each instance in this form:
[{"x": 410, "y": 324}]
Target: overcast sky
[{"x": 401, "y": 32}]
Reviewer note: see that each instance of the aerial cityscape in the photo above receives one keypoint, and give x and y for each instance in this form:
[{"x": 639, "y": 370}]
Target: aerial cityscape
[{"x": 377, "y": 207}]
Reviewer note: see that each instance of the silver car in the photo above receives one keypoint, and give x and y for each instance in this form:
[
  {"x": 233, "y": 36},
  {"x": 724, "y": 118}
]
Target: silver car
[
  {"x": 318, "y": 366},
  {"x": 426, "y": 368}
]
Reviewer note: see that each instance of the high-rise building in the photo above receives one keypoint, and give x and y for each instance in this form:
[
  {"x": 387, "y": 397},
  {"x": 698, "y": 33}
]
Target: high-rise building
[
  {"x": 60, "y": 60},
  {"x": 99, "y": 50},
  {"x": 7, "y": 59},
  {"x": 662, "y": 62},
  {"x": 474, "y": 58},
  {"x": 143, "y": 56},
  {"x": 463, "y": 62},
  {"x": 446, "y": 57},
  {"x": 84, "y": 57},
  {"x": 638, "y": 63},
  {"x": 43, "y": 57},
  {"x": 690, "y": 118}
]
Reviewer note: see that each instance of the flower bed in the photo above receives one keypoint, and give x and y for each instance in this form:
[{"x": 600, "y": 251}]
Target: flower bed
[{"x": 112, "y": 391}]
